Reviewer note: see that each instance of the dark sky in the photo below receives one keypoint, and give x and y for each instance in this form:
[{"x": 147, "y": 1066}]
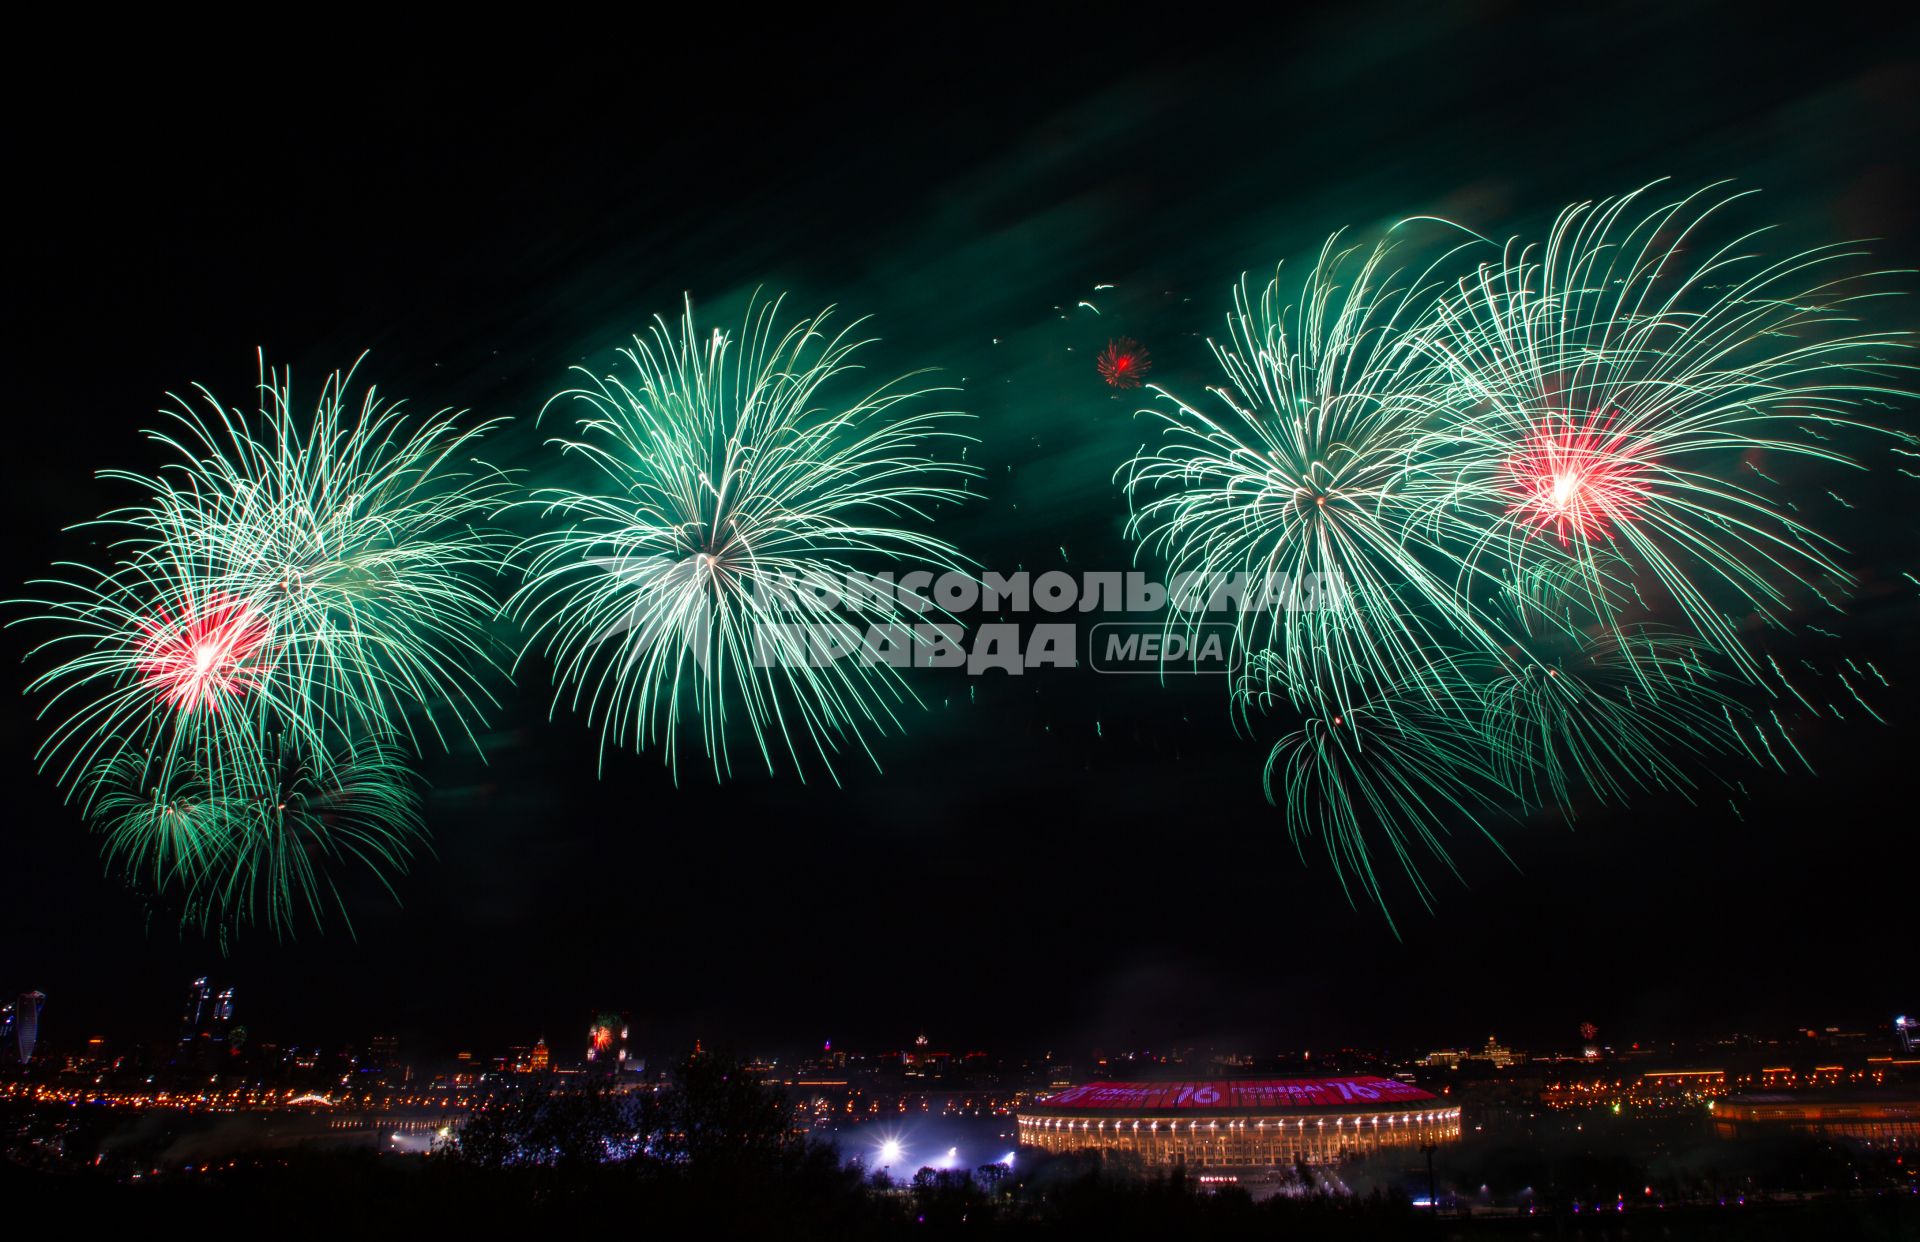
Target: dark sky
[{"x": 481, "y": 217}]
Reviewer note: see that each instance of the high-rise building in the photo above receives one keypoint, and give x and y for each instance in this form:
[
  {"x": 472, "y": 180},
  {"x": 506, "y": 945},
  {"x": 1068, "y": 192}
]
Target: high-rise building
[
  {"x": 198, "y": 993},
  {"x": 1908, "y": 1031},
  {"x": 206, "y": 1021},
  {"x": 1501, "y": 1057},
  {"x": 23, "y": 1026}
]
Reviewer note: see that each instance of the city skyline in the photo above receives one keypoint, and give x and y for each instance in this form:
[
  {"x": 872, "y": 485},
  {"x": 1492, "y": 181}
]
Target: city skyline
[{"x": 610, "y": 1038}]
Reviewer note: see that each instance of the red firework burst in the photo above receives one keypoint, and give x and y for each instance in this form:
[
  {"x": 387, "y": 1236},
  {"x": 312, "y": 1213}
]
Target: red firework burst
[
  {"x": 1577, "y": 478},
  {"x": 1124, "y": 363},
  {"x": 202, "y": 657}
]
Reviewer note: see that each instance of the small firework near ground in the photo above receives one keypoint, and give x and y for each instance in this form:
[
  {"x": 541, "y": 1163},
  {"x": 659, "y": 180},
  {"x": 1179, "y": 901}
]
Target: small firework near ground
[{"x": 1124, "y": 363}]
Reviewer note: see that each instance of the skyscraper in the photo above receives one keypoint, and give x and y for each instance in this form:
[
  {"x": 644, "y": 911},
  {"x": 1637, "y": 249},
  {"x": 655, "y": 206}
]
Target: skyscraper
[
  {"x": 198, "y": 993},
  {"x": 204, "y": 1025},
  {"x": 23, "y": 1025}
]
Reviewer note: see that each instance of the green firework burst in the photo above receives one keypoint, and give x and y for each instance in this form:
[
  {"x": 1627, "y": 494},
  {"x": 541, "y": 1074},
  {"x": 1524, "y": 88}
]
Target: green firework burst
[
  {"x": 264, "y": 842},
  {"x": 1540, "y": 484},
  {"x": 291, "y": 604},
  {"x": 738, "y": 490},
  {"x": 1301, "y": 475},
  {"x": 313, "y": 577},
  {"x": 1619, "y": 386}
]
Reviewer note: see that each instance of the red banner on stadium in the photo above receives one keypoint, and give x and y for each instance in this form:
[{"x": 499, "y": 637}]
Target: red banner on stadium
[{"x": 1255, "y": 1094}]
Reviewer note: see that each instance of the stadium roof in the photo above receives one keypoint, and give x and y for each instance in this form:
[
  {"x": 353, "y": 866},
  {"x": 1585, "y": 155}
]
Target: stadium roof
[{"x": 1235, "y": 1095}]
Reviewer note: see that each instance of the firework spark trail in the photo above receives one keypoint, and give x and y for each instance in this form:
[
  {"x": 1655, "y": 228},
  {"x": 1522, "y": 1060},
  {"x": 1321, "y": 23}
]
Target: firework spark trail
[
  {"x": 1399, "y": 777},
  {"x": 737, "y": 497},
  {"x": 1623, "y": 714}
]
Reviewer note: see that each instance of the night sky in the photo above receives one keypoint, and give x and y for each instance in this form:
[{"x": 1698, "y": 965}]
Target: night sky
[{"x": 1066, "y": 859}]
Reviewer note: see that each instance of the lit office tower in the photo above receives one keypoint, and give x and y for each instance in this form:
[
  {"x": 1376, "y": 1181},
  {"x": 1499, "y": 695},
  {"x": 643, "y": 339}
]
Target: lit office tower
[
  {"x": 23, "y": 1026},
  {"x": 198, "y": 993},
  {"x": 1907, "y": 1030},
  {"x": 223, "y": 1007}
]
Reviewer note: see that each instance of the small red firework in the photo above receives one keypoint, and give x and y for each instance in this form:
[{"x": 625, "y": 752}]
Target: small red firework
[
  {"x": 1578, "y": 478},
  {"x": 1124, "y": 363},
  {"x": 202, "y": 657}
]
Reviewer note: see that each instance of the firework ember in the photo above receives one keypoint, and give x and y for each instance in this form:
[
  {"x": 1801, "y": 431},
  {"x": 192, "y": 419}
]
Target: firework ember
[{"x": 1124, "y": 363}]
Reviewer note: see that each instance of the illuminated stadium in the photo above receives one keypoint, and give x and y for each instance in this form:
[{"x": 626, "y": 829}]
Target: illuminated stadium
[{"x": 1249, "y": 1124}]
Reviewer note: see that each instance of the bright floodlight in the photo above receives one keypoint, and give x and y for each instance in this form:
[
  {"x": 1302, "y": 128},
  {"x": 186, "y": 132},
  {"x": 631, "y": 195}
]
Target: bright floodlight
[{"x": 891, "y": 1152}]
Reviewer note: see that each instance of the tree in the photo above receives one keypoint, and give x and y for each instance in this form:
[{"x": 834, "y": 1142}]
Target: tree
[
  {"x": 536, "y": 1123},
  {"x": 717, "y": 1118}
]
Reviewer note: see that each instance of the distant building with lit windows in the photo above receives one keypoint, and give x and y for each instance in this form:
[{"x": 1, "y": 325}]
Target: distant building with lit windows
[
  {"x": 20, "y": 1027},
  {"x": 1492, "y": 1051},
  {"x": 205, "y": 1022},
  {"x": 198, "y": 994},
  {"x": 1502, "y": 1057},
  {"x": 1240, "y": 1125},
  {"x": 1890, "y": 1118}
]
